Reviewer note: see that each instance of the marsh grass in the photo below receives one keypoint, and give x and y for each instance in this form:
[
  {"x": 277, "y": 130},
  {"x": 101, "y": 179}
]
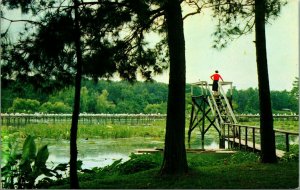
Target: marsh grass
[
  {"x": 62, "y": 130},
  {"x": 278, "y": 124}
]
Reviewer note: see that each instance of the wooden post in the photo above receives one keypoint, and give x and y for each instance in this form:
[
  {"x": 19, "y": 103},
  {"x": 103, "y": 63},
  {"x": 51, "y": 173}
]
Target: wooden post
[
  {"x": 191, "y": 123},
  {"x": 246, "y": 138},
  {"x": 222, "y": 136},
  {"x": 228, "y": 130},
  {"x": 239, "y": 137},
  {"x": 233, "y": 143},
  {"x": 287, "y": 144},
  {"x": 253, "y": 138},
  {"x": 203, "y": 123}
]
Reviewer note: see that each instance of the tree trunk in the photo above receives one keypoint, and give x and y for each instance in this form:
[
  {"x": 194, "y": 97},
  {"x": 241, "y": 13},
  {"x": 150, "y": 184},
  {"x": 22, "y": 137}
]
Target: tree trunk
[
  {"x": 268, "y": 154},
  {"x": 74, "y": 183},
  {"x": 174, "y": 161}
]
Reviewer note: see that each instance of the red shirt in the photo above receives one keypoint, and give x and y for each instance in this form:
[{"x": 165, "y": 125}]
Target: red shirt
[{"x": 216, "y": 76}]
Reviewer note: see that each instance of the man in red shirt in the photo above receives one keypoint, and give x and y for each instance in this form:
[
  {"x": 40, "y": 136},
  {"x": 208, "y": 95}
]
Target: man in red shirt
[{"x": 216, "y": 77}]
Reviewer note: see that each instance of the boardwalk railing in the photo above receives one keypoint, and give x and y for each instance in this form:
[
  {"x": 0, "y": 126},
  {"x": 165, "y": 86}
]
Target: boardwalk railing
[
  {"x": 23, "y": 119},
  {"x": 248, "y": 136},
  {"x": 284, "y": 117}
]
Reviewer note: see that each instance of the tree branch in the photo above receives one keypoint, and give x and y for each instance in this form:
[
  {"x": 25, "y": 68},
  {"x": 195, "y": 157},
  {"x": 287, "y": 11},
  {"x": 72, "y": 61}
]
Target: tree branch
[
  {"x": 23, "y": 20},
  {"x": 191, "y": 14}
]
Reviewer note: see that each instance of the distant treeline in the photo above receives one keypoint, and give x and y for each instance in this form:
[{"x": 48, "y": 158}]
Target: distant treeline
[{"x": 124, "y": 97}]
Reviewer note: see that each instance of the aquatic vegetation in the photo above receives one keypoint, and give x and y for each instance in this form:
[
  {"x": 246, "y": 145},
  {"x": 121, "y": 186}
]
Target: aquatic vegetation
[
  {"x": 21, "y": 170},
  {"x": 62, "y": 130}
]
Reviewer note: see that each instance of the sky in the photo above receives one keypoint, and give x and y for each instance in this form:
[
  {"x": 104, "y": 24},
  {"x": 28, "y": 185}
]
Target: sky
[{"x": 237, "y": 62}]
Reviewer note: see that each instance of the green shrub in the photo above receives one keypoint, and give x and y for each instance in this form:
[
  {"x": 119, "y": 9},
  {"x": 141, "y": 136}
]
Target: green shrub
[
  {"x": 57, "y": 107},
  {"x": 138, "y": 163},
  {"x": 135, "y": 164},
  {"x": 21, "y": 105},
  {"x": 293, "y": 154},
  {"x": 243, "y": 157}
]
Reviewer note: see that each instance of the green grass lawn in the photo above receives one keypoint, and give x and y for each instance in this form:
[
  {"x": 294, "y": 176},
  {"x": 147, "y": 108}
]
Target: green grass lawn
[{"x": 206, "y": 171}]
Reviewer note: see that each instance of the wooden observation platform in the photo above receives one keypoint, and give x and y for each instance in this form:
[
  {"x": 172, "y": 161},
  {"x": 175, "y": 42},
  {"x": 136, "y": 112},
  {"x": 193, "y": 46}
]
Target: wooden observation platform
[{"x": 216, "y": 109}]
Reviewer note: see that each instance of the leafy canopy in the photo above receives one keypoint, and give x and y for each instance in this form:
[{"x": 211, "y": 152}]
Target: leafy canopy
[{"x": 114, "y": 37}]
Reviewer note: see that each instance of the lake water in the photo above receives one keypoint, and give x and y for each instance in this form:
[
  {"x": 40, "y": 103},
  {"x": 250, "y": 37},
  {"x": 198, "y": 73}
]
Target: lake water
[{"x": 103, "y": 152}]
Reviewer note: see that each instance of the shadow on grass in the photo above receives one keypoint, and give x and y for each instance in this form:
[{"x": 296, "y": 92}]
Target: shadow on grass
[{"x": 241, "y": 170}]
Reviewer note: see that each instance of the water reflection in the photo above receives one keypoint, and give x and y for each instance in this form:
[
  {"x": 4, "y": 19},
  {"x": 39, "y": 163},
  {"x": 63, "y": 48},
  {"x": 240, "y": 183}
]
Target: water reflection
[
  {"x": 103, "y": 152},
  {"x": 97, "y": 152}
]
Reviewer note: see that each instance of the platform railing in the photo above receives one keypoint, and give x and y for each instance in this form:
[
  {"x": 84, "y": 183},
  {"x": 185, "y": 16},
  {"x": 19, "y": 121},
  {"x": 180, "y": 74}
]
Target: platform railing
[{"x": 237, "y": 139}]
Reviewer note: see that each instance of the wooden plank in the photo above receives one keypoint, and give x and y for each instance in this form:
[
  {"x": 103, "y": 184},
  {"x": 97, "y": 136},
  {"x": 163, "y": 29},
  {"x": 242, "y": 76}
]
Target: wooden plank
[
  {"x": 279, "y": 153},
  {"x": 147, "y": 150},
  {"x": 188, "y": 150}
]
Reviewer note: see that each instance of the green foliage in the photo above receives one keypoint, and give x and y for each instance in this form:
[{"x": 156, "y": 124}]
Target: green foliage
[
  {"x": 21, "y": 170},
  {"x": 295, "y": 90},
  {"x": 102, "y": 103},
  {"x": 138, "y": 163},
  {"x": 105, "y": 97},
  {"x": 65, "y": 95},
  {"x": 47, "y": 51},
  {"x": 57, "y": 107},
  {"x": 293, "y": 154},
  {"x": 139, "y": 97},
  {"x": 24, "y": 106},
  {"x": 207, "y": 159},
  {"x": 236, "y": 18},
  {"x": 243, "y": 157},
  {"x": 156, "y": 108},
  {"x": 247, "y": 101},
  {"x": 284, "y": 100}
]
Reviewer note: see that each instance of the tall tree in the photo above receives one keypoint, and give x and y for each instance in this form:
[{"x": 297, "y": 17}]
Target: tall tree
[
  {"x": 267, "y": 135},
  {"x": 105, "y": 48},
  {"x": 174, "y": 161},
  {"x": 74, "y": 183},
  {"x": 236, "y": 18}
]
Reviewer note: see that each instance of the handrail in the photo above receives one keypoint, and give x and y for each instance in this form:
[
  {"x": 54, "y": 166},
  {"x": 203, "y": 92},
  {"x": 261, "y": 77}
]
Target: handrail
[
  {"x": 287, "y": 133},
  {"x": 275, "y": 116},
  {"x": 256, "y": 127},
  {"x": 227, "y": 103},
  {"x": 215, "y": 104},
  {"x": 236, "y": 124},
  {"x": 213, "y": 112},
  {"x": 257, "y": 115}
]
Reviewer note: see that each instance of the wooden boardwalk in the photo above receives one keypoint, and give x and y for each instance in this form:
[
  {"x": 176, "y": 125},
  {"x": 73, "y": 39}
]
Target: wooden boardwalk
[{"x": 254, "y": 146}]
